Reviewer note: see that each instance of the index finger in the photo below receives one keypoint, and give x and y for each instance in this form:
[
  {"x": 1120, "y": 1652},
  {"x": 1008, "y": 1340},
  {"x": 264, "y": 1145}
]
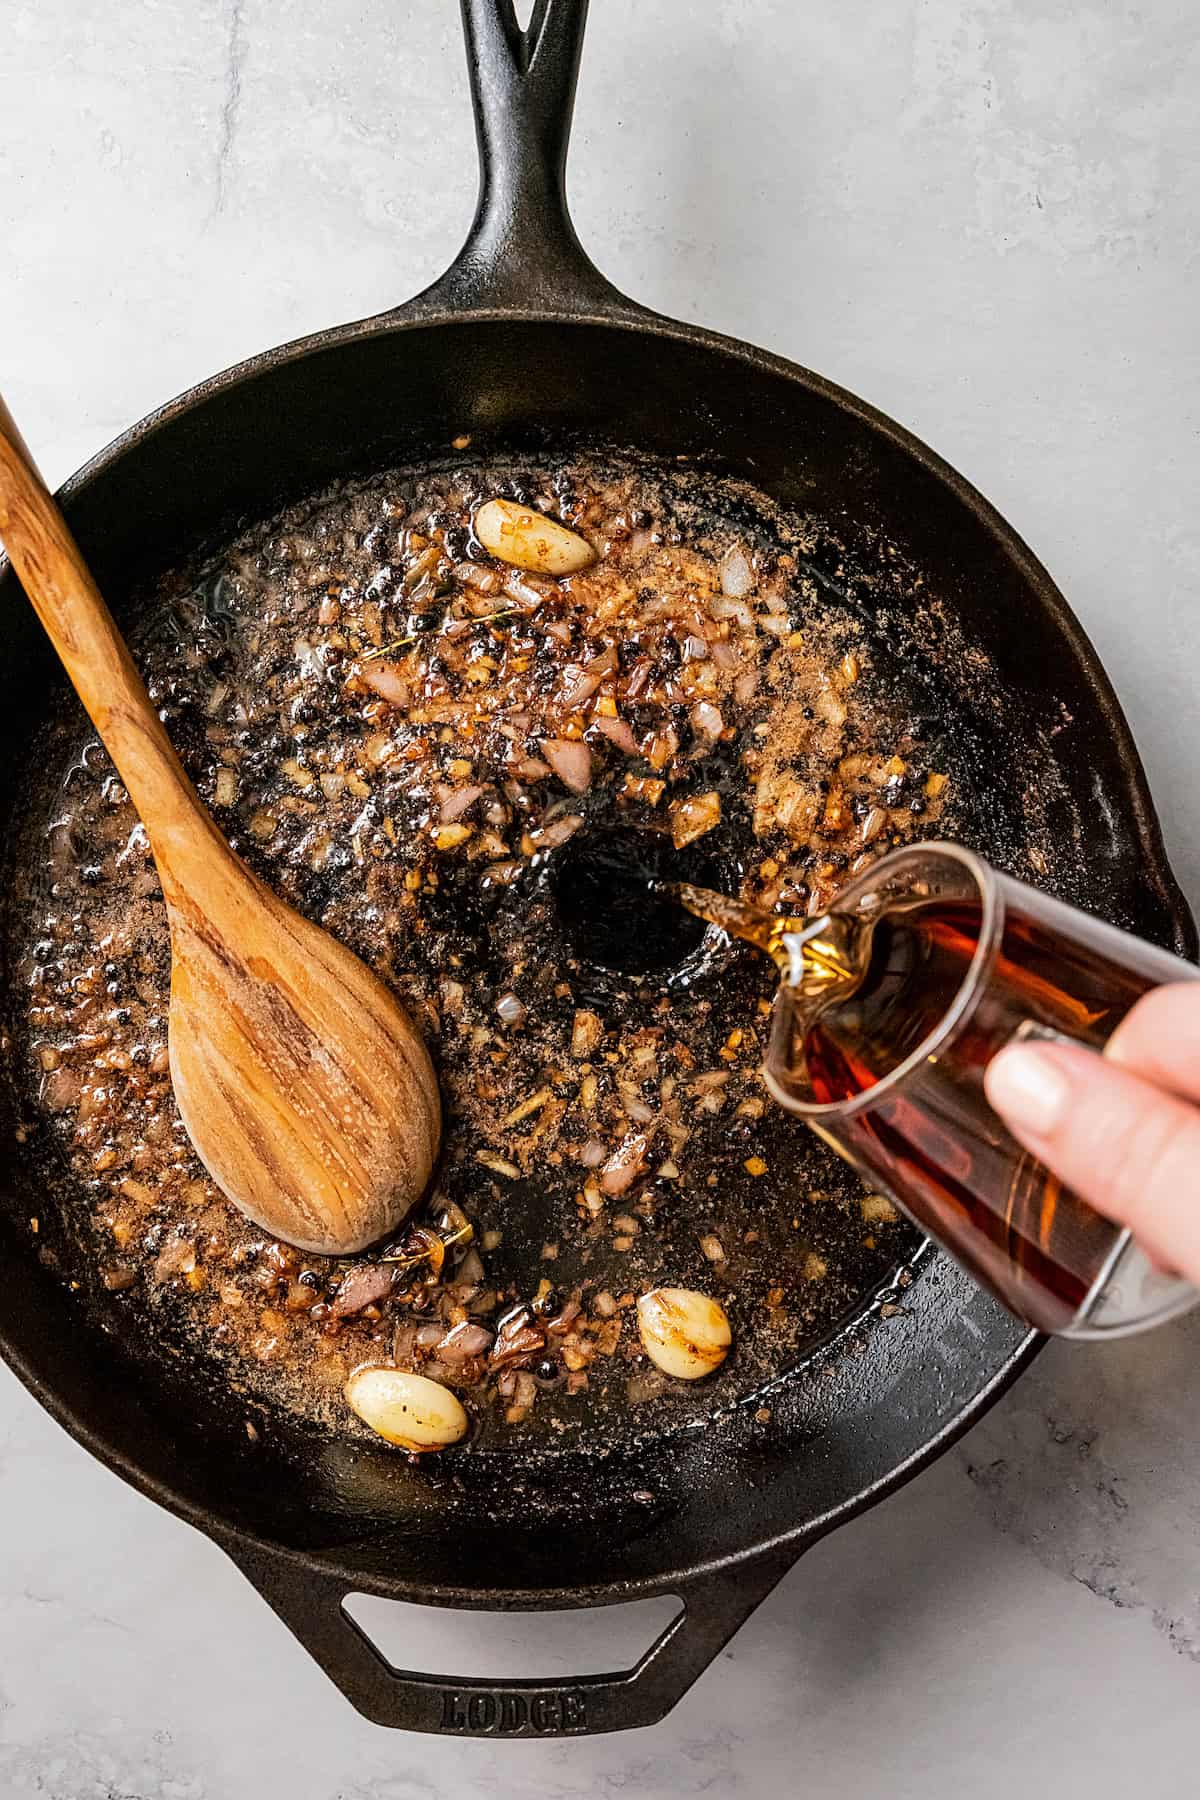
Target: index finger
[{"x": 1159, "y": 1039}]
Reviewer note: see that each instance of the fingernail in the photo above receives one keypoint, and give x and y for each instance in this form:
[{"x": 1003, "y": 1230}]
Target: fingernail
[{"x": 1028, "y": 1089}]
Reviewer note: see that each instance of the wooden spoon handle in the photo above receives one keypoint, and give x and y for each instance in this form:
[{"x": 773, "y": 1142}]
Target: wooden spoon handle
[{"x": 62, "y": 592}]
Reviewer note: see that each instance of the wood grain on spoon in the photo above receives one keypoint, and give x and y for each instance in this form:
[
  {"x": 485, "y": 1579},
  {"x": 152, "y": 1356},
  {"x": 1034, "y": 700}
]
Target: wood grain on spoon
[{"x": 305, "y": 1089}]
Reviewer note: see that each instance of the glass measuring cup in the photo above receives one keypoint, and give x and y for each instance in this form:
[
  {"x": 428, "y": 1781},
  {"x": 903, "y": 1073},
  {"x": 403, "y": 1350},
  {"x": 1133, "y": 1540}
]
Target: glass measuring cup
[{"x": 975, "y": 960}]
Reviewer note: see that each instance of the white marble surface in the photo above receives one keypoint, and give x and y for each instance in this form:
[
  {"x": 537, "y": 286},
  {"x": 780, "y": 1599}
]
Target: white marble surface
[{"x": 981, "y": 214}]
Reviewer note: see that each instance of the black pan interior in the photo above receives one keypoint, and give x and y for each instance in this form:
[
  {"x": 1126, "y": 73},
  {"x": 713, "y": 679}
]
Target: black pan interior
[{"x": 944, "y": 587}]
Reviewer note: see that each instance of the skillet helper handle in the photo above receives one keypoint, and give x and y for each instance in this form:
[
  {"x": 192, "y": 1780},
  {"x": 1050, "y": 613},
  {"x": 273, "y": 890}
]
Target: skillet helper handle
[
  {"x": 715, "y": 1607},
  {"x": 51, "y": 569},
  {"x": 521, "y": 252}
]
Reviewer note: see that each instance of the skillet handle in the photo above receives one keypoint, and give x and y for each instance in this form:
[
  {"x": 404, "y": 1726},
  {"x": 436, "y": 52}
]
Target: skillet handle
[
  {"x": 311, "y": 1605},
  {"x": 521, "y": 252}
]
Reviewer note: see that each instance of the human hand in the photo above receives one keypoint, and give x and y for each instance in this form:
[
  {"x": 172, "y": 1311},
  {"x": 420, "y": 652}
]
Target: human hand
[{"x": 1123, "y": 1130}]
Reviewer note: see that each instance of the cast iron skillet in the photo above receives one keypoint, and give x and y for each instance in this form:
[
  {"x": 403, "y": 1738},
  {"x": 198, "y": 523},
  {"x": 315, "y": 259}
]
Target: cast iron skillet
[{"x": 523, "y": 343}]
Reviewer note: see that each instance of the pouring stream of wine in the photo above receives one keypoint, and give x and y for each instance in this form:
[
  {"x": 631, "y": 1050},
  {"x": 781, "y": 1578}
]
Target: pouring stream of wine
[{"x": 821, "y": 960}]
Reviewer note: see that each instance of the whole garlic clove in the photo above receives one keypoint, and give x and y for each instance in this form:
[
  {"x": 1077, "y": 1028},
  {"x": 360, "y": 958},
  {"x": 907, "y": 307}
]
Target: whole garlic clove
[
  {"x": 408, "y": 1410},
  {"x": 529, "y": 540},
  {"x": 684, "y": 1333}
]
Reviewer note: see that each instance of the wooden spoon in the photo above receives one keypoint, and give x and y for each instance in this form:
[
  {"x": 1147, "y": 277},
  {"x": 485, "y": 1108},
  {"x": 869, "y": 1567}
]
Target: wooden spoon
[{"x": 307, "y": 1093}]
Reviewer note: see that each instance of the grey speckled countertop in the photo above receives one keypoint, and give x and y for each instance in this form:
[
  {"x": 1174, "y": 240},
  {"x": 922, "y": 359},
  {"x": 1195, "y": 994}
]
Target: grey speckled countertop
[{"x": 983, "y": 216}]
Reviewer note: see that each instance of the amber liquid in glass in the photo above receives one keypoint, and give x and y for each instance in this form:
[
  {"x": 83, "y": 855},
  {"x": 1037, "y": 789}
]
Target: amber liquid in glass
[{"x": 859, "y": 997}]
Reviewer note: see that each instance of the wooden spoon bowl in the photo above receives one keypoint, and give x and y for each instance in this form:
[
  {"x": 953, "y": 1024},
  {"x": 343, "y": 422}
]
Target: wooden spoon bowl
[{"x": 307, "y": 1092}]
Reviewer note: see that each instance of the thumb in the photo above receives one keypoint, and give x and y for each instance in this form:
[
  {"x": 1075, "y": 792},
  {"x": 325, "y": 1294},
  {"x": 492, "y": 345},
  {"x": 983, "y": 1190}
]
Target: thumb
[{"x": 1129, "y": 1149}]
